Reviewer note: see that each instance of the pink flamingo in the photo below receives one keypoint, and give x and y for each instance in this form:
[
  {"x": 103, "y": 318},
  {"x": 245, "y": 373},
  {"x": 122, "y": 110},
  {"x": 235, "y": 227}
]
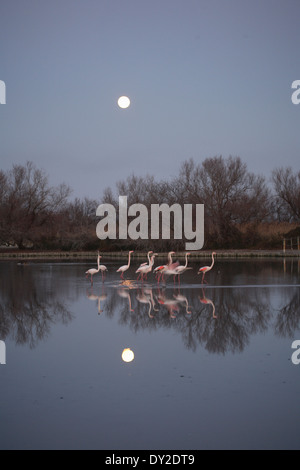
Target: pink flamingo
[
  {"x": 160, "y": 269},
  {"x": 93, "y": 271},
  {"x": 181, "y": 269},
  {"x": 148, "y": 255},
  {"x": 144, "y": 269},
  {"x": 171, "y": 270},
  {"x": 124, "y": 268},
  {"x": 205, "y": 269},
  {"x": 103, "y": 269},
  {"x": 145, "y": 264}
]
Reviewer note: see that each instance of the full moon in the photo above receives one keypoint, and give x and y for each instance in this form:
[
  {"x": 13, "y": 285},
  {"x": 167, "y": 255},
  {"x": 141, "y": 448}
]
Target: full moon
[
  {"x": 127, "y": 355},
  {"x": 123, "y": 102}
]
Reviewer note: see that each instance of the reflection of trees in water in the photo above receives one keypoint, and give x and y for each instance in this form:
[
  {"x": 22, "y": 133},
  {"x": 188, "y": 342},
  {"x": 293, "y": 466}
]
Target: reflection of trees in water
[
  {"x": 288, "y": 317},
  {"x": 32, "y": 300},
  {"x": 29, "y": 307},
  {"x": 240, "y": 313},
  {"x": 224, "y": 323},
  {"x": 252, "y": 271}
]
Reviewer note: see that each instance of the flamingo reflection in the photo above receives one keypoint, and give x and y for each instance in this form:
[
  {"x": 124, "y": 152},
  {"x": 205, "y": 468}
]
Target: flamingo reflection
[
  {"x": 90, "y": 295},
  {"x": 124, "y": 293},
  {"x": 170, "y": 304},
  {"x": 206, "y": 301},
  {"x": 146, "y": 297},
  {"x": 182, "y": 299}
]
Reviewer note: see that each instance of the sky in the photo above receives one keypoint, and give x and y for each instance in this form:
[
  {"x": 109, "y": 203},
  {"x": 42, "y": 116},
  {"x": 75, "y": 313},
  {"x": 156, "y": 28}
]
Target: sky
[{"x": 205, "y": 78}]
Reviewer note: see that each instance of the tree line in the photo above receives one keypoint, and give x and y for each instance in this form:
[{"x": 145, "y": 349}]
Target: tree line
[{"x": 242, "y": 209}]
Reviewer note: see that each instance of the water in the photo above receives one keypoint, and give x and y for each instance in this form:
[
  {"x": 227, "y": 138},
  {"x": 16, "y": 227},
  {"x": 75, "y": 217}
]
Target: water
[{"x": 212, "y": 364}]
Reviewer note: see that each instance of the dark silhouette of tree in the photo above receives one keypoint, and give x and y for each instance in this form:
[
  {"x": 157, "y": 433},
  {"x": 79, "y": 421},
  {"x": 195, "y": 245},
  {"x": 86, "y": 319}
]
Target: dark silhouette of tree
[
  {"x": 28, "y": 202},
  {"x": 287, "y": 190}
]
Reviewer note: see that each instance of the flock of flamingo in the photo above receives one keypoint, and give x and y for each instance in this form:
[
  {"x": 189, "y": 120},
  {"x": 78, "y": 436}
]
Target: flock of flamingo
[{"x": 169, "y": 269}]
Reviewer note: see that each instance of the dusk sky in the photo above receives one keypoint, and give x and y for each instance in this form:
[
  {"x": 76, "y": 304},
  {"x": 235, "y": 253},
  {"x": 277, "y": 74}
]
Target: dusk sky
[{"x": 205, "y": 78}]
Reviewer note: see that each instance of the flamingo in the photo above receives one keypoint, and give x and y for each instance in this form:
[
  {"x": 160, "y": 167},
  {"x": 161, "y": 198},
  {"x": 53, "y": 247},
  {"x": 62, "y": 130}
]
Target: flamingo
[
  {"x": 148, "y": 255},
  {"x": 160, "y": 269},
  {"x": 181, "y": 269},
  {"x": 124, "y": 268},
  {"x": 170, "y": 270},
  {"x": 93, "y": 271},
  {"x": 103, "y": 269},
  {"x": 205, "y": 269},
  {"x": 144, "y": 269}
]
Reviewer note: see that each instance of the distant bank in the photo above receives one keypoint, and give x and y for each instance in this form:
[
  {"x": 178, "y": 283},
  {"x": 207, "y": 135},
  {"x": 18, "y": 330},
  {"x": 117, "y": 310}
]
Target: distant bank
[{"x": 76, "y": 255}]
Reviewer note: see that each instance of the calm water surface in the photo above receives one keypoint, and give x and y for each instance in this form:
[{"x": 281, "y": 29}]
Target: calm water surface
[{"x": 212, "y": 364}]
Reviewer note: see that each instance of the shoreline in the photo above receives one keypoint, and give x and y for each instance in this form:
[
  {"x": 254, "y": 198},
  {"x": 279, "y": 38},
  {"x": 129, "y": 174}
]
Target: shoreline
[{"x": 75, "y": 255}]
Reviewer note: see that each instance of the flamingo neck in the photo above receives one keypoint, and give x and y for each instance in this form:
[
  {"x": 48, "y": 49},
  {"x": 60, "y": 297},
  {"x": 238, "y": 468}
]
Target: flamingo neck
[
  {"x": 213, "y": 260},
  {"x": 129, "y": 260},
  {"x": 186, "y": 260},
  {"x": 169, "y": 259}
]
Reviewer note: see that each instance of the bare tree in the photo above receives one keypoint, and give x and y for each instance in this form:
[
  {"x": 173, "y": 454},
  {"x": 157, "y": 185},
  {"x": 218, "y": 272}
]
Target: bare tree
[
  {"x": 28, "y": 202},
  {"x": 232, "y": 195},
  {"x": 287, "y": 190}
]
